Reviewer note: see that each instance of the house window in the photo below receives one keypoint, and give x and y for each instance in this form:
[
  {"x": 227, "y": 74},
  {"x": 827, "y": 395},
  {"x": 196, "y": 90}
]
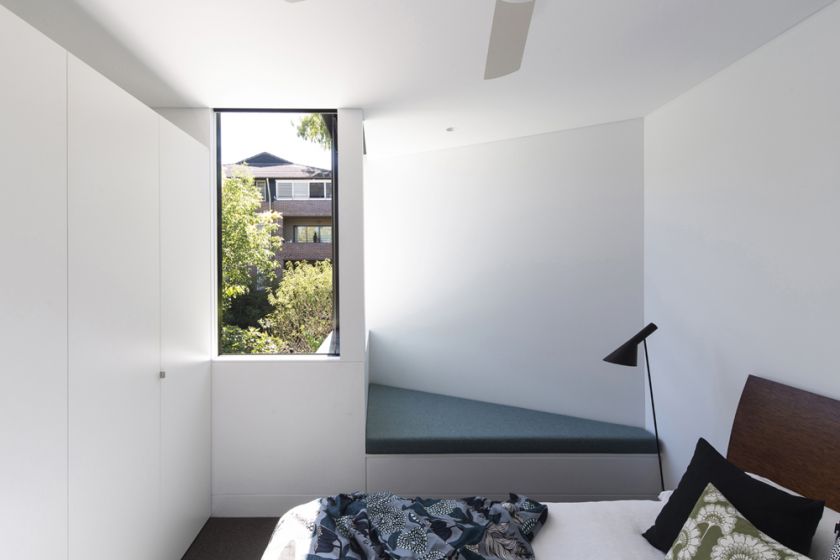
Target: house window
[
  {"x": 262, "y": 184},
  {"x": 316, "y": 190},
  {"x": 313, "y": 234},
  {"x": 284, "y": 190},
  {"x": 300, "y": 190},
  {"x": 277, "y": 294}
]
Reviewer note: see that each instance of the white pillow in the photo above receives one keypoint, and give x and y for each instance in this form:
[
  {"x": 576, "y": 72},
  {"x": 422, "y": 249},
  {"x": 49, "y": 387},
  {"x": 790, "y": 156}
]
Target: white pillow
[{"x": 824, "y": 535}]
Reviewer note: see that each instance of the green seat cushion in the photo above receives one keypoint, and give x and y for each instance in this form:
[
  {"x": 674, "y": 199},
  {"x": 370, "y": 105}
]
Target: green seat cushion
[{"x": 401, "y": 421}]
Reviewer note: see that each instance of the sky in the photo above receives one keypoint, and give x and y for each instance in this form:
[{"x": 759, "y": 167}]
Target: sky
[{"x": 247, "y": 134}]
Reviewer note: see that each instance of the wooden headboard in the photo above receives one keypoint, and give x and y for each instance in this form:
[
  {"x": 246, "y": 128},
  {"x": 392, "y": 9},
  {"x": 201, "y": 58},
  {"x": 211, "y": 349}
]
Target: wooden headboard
[{"x": 790, "y": 436}]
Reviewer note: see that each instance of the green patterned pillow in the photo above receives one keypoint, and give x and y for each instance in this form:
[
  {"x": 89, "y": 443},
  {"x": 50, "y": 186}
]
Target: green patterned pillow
[{"x": 715, "y": 530}]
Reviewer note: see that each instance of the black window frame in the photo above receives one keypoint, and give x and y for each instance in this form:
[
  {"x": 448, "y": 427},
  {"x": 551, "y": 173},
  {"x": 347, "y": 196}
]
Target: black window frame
[{"x": 335, "y": 345}]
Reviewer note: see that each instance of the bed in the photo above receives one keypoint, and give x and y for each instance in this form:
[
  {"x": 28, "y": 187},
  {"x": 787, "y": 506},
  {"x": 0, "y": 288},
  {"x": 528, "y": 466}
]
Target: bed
[{"x": 782, "y": 435}]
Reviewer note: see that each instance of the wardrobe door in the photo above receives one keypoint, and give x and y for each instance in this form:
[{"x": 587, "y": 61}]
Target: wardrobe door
[
  {"x": 187, "y": 326},
  {"x": 33, "y": 293},
  {"x": 114, "y": 321}
]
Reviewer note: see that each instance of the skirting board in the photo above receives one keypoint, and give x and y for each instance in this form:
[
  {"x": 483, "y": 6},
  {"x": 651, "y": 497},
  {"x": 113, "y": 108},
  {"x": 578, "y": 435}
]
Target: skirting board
[
  {"x": 544, "y": 477},
  {"x": 257, "y": 505}
]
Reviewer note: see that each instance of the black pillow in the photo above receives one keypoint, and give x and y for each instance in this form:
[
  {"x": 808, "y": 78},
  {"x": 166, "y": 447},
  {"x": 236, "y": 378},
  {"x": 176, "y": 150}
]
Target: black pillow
[{"x": 791, "y": 520}]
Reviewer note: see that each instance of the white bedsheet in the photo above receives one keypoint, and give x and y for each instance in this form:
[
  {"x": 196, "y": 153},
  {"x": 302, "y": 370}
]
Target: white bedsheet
[
  {"x": 573, "y": 531},
  {"x": 598, "y": 531}
]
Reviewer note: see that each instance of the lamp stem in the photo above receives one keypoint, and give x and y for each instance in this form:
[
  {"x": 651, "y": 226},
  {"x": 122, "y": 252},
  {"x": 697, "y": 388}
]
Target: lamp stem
[{"x": 655, "y": 427}]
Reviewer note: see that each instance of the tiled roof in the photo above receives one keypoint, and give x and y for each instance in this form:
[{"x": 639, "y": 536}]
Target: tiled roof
[
  {"x": 264, "y": 159},
  {"x": 266, "y": 165}
]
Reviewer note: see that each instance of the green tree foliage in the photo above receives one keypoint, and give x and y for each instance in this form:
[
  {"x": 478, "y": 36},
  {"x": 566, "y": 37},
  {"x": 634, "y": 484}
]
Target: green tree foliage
[
  {"x": 236, "y": 340},
  {"x": 303, "y": 305},
  {"x": 294, "y": 317},
  {"x": 248, "y": 242},
  {"x": 248, "y": 309},
  {"x": 312, "y": 127}
]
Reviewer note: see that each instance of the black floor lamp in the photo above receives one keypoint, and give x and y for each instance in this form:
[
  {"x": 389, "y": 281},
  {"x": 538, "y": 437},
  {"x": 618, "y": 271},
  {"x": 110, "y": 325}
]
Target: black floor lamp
[{"x": 628, "y": 355}]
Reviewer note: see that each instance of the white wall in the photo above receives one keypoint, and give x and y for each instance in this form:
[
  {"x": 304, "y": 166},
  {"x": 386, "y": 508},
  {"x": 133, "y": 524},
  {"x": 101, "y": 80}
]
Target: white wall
[
  {"x": 505, "y": 272},
  {"x": 33, "y": 293},
  {"x": 742, "y": 199},
  {"x": 285, "y": 431},
  {"x": 289, "y": 429}
]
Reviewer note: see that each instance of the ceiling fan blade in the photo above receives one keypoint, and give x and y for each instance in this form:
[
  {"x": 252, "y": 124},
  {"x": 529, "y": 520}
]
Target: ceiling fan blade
[{"x": 511, "y": 22}]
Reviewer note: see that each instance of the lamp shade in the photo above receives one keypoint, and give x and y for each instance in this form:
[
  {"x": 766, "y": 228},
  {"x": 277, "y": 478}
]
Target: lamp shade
[{"x": 628, "y": 353}]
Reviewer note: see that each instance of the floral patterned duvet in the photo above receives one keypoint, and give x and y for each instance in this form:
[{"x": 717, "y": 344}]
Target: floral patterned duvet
[
  {"x": 384, "y": 526},
  {"x": 572, "y": 531}
]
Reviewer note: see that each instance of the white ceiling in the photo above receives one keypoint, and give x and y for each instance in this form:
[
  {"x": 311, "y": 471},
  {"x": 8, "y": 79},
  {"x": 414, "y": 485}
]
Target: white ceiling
[{"x": 414, "y": 66}]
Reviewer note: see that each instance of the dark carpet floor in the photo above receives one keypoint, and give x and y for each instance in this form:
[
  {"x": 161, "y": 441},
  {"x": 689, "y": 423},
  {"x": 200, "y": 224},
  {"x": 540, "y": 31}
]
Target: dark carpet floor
[{"x": 223, "y": 538}]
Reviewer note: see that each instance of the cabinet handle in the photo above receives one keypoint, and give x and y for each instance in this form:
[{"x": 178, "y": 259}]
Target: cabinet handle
[{"x": 162, "y": 374}]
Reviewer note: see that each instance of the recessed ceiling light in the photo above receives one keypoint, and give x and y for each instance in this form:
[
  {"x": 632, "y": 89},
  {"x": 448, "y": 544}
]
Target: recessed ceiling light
[{"x": 450, "y": 129}]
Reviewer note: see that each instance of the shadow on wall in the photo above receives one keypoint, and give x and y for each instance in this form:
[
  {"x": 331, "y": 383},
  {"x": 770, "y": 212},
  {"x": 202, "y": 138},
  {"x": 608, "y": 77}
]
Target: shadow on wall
[
  {"x": 75, "y": 29},
  {"x": 394, "y": 361}
]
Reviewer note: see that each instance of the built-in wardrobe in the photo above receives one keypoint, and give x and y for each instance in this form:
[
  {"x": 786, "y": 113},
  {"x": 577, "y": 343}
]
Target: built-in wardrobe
[{"x": 105, "y": 315}]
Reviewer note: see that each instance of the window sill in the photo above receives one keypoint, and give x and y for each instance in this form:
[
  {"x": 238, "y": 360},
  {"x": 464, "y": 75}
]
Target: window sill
[{"x": 320, "y": 358}]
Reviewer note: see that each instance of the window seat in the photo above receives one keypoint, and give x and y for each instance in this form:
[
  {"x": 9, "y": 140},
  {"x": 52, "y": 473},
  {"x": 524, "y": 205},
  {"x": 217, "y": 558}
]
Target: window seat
[{"x": 401, "y": 421}]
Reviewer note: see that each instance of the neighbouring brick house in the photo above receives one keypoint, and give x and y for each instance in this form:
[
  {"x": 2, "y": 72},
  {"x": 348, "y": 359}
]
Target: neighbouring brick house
[{"x": 303, "y": 196}]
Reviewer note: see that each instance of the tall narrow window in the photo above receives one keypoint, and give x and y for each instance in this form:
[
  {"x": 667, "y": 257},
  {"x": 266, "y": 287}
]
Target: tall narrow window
[
  {"x": 262, "y": 186},
  {"x": 277, "y": 183}
]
